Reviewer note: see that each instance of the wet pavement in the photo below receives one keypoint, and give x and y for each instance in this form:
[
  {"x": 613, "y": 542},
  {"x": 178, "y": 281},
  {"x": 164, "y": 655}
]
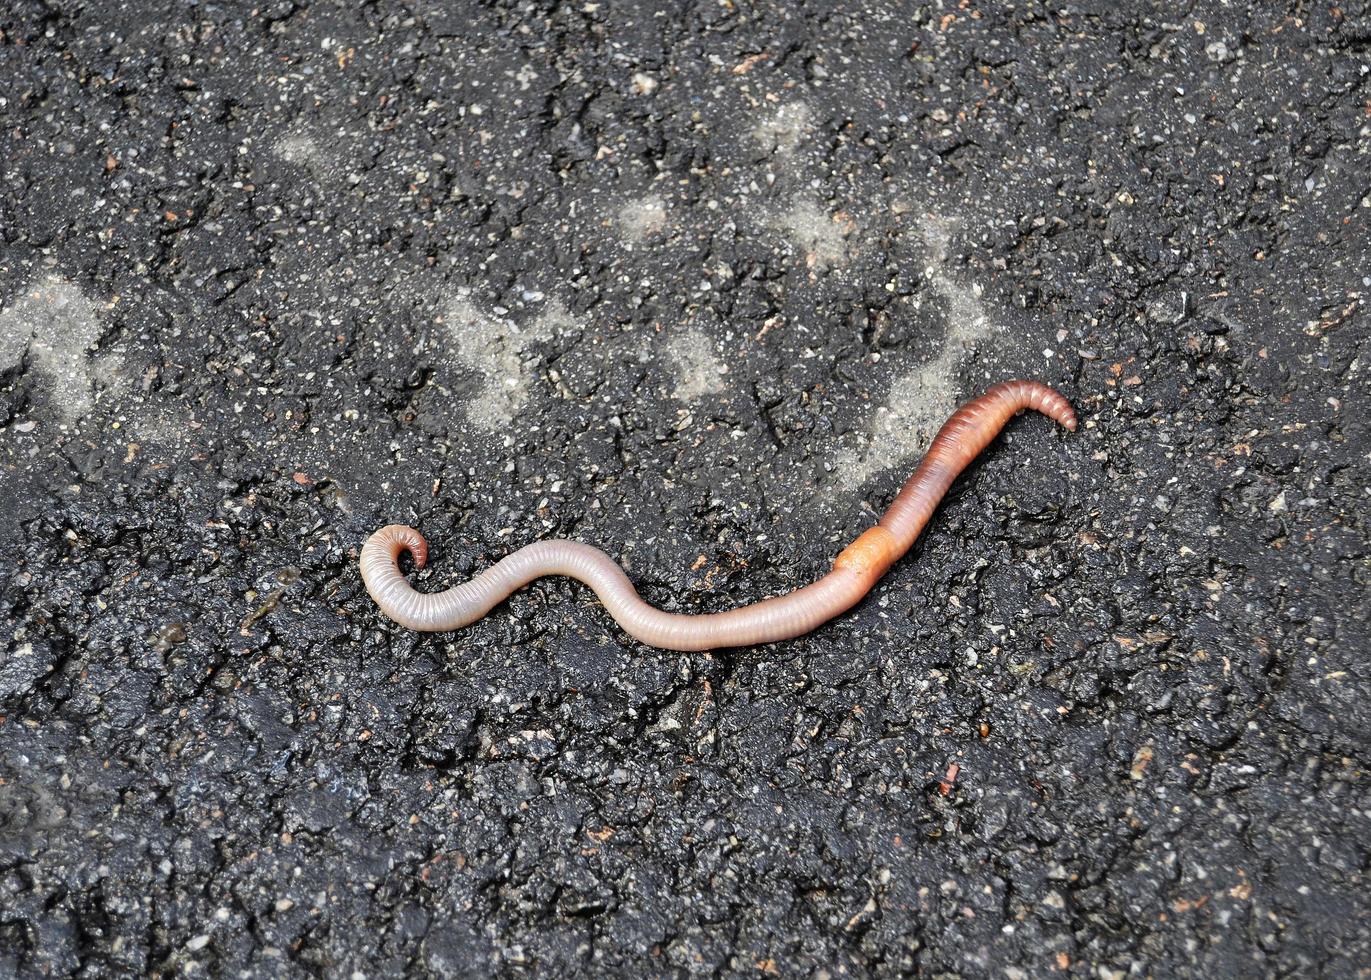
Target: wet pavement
[{"x": 694, "y": 283}]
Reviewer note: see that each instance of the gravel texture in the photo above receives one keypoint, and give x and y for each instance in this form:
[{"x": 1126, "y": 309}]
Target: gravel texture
[{"x": 693, "y": 282}]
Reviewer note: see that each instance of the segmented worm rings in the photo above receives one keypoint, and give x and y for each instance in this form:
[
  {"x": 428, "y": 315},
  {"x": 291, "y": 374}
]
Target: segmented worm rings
[{"x": 856, "y": 570}]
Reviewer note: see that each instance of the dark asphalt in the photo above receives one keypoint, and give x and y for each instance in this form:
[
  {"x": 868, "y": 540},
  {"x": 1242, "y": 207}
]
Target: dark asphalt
[{"x": 693, "y": 282}]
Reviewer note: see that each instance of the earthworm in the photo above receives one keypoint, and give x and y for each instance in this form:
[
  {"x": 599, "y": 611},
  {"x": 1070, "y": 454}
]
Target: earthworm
[{"x": 856, "y": 570}]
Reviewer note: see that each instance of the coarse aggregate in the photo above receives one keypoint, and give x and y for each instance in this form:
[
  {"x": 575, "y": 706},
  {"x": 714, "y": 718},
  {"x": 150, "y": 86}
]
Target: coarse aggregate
[{"x": 695, "y": 283}]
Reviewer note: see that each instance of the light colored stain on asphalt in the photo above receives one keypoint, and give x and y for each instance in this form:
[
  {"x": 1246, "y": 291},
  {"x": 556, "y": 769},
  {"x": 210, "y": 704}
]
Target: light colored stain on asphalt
[
  {"x": 819, "y": 236},
  {"x": 922, "y": 398},
  {"x": 782, "y": 131},
  {"x": 554, "y": 320},
  {"x": 968, "y": 322},
  {"x": 699, "y": 369},
  {"x": 642, "y": 218},
  {"x": 56, "y": 325},
  {"x": 498, "y": 349},
  {"x": 296, "y": 148},
  {"x": 301, "y": 150},
  {"x": 323, "y": 154}
]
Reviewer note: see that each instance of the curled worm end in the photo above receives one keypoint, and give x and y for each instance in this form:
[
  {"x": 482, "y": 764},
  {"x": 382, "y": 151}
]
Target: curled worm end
[
  {"x": 380, "y": 565},
  {"x": 394, "y": 539},
  {"x": 1048, "y": 401}
]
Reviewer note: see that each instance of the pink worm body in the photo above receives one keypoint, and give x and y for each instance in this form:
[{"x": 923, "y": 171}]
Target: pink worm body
[{"x": 856, "y": 570}]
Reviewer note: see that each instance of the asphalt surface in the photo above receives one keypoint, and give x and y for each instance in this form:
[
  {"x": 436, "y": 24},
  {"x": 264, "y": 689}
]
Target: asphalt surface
[{"x": 694, "y": 283}]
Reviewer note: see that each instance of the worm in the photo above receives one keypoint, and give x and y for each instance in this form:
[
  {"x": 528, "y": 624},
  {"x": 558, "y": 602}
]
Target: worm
[{"x": 854, "y": 572}]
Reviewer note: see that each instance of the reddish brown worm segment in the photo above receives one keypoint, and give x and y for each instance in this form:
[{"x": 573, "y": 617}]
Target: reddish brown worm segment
[{"x": 856, "y": 570}]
